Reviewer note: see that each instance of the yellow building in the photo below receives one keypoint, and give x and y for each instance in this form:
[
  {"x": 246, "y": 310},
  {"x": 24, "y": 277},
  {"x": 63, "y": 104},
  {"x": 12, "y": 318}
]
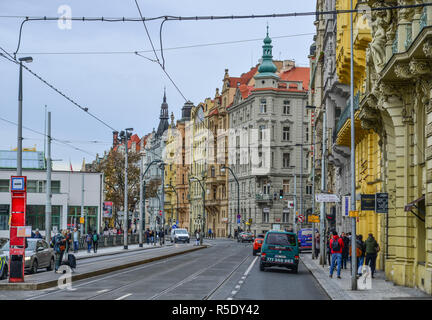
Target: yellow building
[{"x": 393, "y": 68}]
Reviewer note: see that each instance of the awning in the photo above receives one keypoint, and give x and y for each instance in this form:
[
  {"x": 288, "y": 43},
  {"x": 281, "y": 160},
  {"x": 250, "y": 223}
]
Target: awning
[{"x": 418, "y": 204}]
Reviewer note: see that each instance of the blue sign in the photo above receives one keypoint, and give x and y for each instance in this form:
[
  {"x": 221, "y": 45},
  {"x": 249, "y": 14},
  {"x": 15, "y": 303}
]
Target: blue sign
[
  {"x": 174, "y": 226},
  {"x": 238, "y": 220},
  {"x": 17, "y": 184}
]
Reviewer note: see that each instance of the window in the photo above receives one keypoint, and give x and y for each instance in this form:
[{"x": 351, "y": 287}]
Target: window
[
  {"x": 308, "y": 189},
  {"x": 285, "y": 186},
  {"x": 281, "y": 239},
  {"x": 307, "y": 134},
  {"x": 286, "y": 133},
  {"x": 286, "y": 107},
  {"x": 286, "y": 160},
  {"x": 261, "y": 134},
  {"x": 4, "y": 185},
  {"x": 285, "y": 216},
  {"x": 265, "y": 216},
  {"x": 263, "y": 106}
]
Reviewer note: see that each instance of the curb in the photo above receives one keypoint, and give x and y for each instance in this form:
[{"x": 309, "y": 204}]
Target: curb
[
  {"x": 53, "y": 283},
  {"x": 317, "y": 280}
]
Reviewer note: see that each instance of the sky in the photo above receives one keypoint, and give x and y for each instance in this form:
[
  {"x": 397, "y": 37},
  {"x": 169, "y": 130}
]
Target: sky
[{"x": 125, "y": 90}]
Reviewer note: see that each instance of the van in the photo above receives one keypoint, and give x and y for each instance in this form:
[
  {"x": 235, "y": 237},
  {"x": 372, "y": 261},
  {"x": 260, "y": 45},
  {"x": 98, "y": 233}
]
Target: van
[
  {"x": 305, "y": 238},
  {"x": 179, "y": 235},
  {"x": 280, "y": 249}
]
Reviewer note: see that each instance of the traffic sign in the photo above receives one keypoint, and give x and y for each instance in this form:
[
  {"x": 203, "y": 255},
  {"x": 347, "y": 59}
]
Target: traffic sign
[
  {"x": 301, "y": 218},
  {"x": 314, "y": 218},
  {"x": 326, "y": 197},
  {"x": 353, "y": 214}
]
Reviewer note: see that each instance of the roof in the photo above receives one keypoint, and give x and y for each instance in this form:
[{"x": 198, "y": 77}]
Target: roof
[
  {"x": 297, "y": 74},
  {"x": 235, "y": 82}
]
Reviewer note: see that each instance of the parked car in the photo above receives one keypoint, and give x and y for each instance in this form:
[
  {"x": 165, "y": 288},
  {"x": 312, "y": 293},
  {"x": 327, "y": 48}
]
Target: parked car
[
  {"x": 280, "y": 249},
  {"x": 257, "y": 244},
  {"x": 245, "y": 236},
  {"x": 38, "y": 255},
  {"x": 179, "y": 235}
]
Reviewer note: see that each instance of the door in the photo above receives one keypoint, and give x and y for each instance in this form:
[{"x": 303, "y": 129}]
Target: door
[{"x": 42, "y": 255}]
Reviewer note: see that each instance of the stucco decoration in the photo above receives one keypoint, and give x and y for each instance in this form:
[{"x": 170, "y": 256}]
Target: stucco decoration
[
  {"x": 381, "y": 22},
  {"x": 427, "y": 48}
]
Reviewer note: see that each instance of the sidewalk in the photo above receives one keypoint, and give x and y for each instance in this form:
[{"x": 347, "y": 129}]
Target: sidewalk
[{"x": 340, "y": 289}]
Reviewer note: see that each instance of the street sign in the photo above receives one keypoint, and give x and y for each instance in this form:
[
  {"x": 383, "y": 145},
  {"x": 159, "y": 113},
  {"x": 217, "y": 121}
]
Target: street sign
[
  {"x": 326, "y": 197},
  {"x": 346, "y": 204},
  {"x": 353, "y": 214},
  {"x": 301, "y": 218},
  {"x": 290, "y": 204},
  {"x": 367, "y": 202},
  {"x": 81, "y": 220},
  {"x": 314, "y": 218},
  {"x": 381, "y": 202}
]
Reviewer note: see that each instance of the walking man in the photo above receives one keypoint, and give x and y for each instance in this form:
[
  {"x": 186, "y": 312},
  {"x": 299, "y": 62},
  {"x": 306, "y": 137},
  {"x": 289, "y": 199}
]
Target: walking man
[
  {"x": 59, "y": 248},
  {"x": 95, "y": 241},
  {"x": 345, "y": 250},
  {"x": 372, "y": 248},
  {"x": 75, "y": 239},
  {"x": 197, "y": 236},
  {"x": 89, "y": 241},
  {"x": 336, "y": 246}
]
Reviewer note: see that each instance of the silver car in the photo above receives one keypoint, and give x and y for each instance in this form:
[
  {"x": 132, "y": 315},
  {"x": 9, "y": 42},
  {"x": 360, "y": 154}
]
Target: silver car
[{"x": 38, "y": 255}]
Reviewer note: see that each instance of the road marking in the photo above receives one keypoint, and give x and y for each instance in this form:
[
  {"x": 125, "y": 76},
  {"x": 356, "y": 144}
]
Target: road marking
[
  {"x": 102, "y": 291},
  {"x": 237, "y": 287},
  {"x": 125, "y": 296},
  {"x": 233, "y": 292},
  {"x": 241, "y": 281},
  {"x": 250, "y": 267},
  {"x": 230, "y": 298}
]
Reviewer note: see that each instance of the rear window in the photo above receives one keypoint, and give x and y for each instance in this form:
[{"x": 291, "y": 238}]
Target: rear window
[
  {"x": 306, "y": 232},
  {"x": 281, "y": 239}
]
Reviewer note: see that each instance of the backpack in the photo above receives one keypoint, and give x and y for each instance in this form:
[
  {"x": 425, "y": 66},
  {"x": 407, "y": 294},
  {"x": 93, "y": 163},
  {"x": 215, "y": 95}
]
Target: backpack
[
  {"x": 88, "y": 238},
  {"x": 95, "y": 237},
  {"x": 335, "y": 245}
]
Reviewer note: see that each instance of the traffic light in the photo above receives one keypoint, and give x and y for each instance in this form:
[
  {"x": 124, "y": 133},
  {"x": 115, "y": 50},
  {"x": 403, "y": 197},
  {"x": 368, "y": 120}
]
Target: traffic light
[
  {"x": 158, "y": 219},
  {"x": 281, "y": 194}
]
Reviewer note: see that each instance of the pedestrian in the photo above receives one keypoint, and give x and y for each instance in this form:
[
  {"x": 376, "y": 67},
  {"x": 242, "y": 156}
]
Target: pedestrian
[
  {"x": 345, "y": 250},
  {"x": 59, "y": 248},
  {"x": 210, "y": 233},
  {"x": 161, "y": 237},
  {"x": 75, "y": 237},
  {"x": 328, "y": 250},
  {"x": 68, "y": 237},
  {"x": 360, "y": 249},
  {"x": 336, "y": 247},
  {"x": 95, "y": 239},
  {"x": 372, "y": 248},
  {"x": 317, "y": 244},
  {"x": 37, "y": 234},
  {"x": 197, "y": 237},
  {"x": 89, "y": 241},
  {"x": 147, "y": 236}
]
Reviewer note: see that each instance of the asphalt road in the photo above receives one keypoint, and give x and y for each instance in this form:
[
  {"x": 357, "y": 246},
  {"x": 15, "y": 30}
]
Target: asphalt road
[{"x": 226, "y": 270}]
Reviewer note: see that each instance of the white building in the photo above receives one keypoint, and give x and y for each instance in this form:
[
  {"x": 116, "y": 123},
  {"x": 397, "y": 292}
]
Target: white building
[{"x": 66, "y": 189}]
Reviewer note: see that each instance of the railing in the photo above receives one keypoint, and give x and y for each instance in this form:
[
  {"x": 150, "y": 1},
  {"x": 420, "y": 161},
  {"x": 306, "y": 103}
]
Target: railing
[
  {"x": 262, "y": 197},
  {"x": 346, "y": 113},
  {"x": 108, "y": 241}
]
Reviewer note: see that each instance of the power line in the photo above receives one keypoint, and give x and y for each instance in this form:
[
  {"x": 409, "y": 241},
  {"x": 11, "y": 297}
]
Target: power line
[
  {"x": 54, "y": 139},
  {"x": 85, "y": 109}
]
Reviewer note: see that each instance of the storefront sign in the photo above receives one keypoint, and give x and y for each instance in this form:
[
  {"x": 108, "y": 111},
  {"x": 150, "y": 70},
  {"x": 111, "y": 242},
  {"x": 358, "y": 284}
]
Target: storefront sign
[
  {"x": 381, "y": 202},
  {"x": 367, "y": 202}
]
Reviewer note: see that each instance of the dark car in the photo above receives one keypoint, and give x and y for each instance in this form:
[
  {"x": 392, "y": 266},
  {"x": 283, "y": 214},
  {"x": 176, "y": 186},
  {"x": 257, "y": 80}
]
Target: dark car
[
  {"x": 280, "y": 249},
  {"x": 38, "y": 255},
  {"x": 245, "y": 236}
]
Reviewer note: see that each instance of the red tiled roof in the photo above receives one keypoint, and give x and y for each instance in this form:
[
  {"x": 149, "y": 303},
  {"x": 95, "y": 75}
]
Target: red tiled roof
[
  {"x": 245, "y": 90},
  {"x": 297, "y": 74},
  {"x": 243, "y": 79},
  {"x": 229, "y": 106}
]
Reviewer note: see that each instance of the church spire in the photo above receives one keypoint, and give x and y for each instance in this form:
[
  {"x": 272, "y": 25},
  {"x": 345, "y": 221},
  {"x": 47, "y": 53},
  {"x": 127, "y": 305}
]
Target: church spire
[
  {"x": 267, "y": 66},
  {"x": 164, "y": 117}
]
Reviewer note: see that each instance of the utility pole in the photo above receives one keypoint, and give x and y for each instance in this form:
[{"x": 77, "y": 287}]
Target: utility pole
[
  {"x": 301, "y": 163},
  {"x": 323, "y": 187},
  {"x": 48, "y": 208},
  {"x": 353, "y": 187},
  {"x": 141, "y": 214},
  {"x": 82, "y": 204},
  {"x": 313, "y": 191},
  {"x": 162, "y": 166},
  {"x": 295, "y": 203},
  {"x": 125, "y": 137}
]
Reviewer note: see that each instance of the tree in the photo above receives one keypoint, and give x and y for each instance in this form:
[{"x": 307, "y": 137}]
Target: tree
[{"x": 113, "y": 168}]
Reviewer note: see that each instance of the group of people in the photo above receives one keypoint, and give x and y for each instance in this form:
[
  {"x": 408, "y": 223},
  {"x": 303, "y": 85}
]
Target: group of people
[
  {"x": 152, "y": 236},
  {"x": 339, "y": 252}
]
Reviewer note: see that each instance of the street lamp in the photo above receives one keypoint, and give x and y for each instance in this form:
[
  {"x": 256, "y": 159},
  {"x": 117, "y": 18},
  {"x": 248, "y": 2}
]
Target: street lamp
[
  {"x": 203, "y": 195},
  {"x": 238, "y": 186},
  {"x": 125, "y": 136},
  {"x": 20, "y": 100}
]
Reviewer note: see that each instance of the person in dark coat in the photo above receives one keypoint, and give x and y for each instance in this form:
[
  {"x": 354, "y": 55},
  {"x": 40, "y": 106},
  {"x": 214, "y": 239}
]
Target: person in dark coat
[{"x": 345, "y": 250}]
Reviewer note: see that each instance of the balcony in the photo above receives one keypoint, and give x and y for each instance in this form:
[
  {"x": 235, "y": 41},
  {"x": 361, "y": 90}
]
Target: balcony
[{"x": 263, "y": 198}]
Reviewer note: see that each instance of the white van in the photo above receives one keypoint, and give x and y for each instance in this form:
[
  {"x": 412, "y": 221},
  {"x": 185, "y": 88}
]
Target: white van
[{"x": 180, "y": 235}]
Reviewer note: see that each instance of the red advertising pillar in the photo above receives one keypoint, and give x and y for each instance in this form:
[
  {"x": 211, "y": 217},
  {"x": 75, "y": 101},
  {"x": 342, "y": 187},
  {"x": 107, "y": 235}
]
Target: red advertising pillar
[{"x": 17, "y": 229}]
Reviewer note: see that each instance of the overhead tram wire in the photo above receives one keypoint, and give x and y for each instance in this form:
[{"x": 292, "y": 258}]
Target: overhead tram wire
[
  {"x": 85, "y": 109},
  {"x": 58, "y": 141}
]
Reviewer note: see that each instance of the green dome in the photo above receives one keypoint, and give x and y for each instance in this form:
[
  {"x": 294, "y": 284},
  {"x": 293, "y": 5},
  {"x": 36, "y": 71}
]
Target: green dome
[{"x": 267, "y": 66}]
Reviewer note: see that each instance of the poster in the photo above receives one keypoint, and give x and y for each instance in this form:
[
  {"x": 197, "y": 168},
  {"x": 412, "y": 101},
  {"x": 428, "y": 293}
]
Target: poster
[{"x": 107, "y": 209}]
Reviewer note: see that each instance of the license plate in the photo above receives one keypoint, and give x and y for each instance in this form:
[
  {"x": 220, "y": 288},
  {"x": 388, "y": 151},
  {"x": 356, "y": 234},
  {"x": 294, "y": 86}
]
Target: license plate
[
  {"x": 280, "y": 260},
  {"x": 283, "y": 257}
]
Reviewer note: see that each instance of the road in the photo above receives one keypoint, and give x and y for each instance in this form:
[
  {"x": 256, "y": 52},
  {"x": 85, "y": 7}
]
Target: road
[{"x": 226, "y": 270}]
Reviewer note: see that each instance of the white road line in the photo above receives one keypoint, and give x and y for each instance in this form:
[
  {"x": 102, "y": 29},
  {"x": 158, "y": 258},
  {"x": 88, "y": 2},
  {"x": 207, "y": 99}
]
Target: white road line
[
  {"x": 101, "y": 291},
  {"x": 233, "y": 292},
  {"x": 250, "y": 267},
  {"x": 125, "y": 296},
  {"x": 237, "y": 287},
  {"x": 241, "y": 281},
  {"x": 230, "y": 298}
]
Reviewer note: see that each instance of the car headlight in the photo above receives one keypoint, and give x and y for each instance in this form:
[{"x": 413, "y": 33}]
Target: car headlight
[{"x": 27, "y": 258}]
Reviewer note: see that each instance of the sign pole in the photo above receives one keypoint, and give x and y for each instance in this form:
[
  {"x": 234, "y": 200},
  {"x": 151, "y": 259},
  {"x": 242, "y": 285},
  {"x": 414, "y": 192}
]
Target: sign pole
[{"x": 48, "y": 208}]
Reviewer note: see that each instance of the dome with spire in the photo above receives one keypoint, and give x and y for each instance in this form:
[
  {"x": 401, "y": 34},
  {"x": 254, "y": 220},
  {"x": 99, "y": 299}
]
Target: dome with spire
[
  {"x": 163, "y": 123},
  {"x": 267, "y": 67}
]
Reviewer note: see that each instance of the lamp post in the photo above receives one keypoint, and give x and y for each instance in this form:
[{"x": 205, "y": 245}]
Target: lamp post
[
  {"x": 313, "y": 179},
  {"x": 125, "y": 136},
  {"x": 20, "y": 100},
  {"x": 238, "y": 186},
  {"x": 203, "y": 218}
]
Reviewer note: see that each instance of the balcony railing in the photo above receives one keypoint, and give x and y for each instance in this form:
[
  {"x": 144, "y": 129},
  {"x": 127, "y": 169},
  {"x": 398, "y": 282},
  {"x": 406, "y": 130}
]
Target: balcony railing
[
  {"x": 346, "y": 113},
  {"x": 263, "y": 197}
]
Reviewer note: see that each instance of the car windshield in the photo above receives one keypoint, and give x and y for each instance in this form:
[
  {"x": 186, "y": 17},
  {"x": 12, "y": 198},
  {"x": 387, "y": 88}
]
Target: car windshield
[
  {"x": 31, "y": 245},
  {"x": 181, "y": 231},
  {"x": 282, "y": 239}
]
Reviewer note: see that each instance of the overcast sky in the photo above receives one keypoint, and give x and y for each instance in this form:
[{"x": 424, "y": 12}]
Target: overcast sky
[{"x": 123, "y": 89}]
